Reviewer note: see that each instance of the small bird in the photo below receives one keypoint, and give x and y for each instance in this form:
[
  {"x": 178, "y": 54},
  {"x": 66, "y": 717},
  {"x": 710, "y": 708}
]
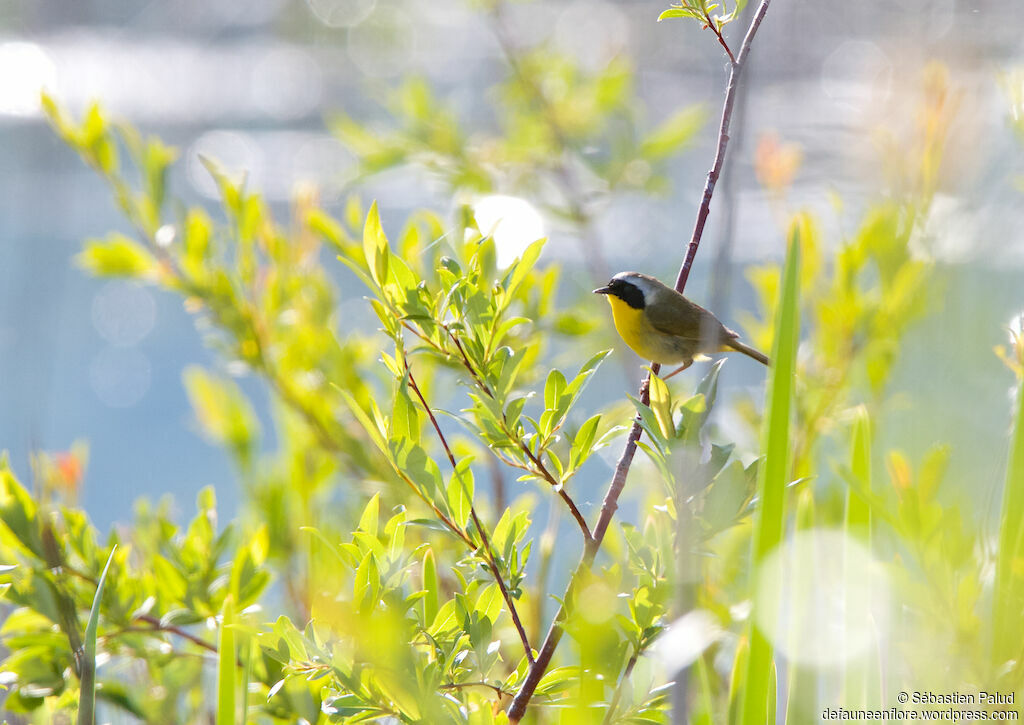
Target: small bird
[{"x": 661, "y": 325}]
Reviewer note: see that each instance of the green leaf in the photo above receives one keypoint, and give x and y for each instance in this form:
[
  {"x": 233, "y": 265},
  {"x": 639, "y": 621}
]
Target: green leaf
[
  {"x": 375, "y": 247},
  {"x": 557, "y": 679},
  {"x": 773, "y": 475},
  {"x": 589, "y": 368},
  {"x": 18, "y": 511},
  {"x": 523, "y": 266},
  {"x": 553, "y": 389},
  {"x": 673, "y": 133},
  {"x": 661, "y": 404},
  {"x": 117, "y": 256},
  {"x": 226, "y": 664},
  {"x": 157, "y": 158},
  {"x": 708, "y": 386},
  {"x": 327, "y": 227},
  {"x": 678, "y": 13},
  {"x": 460, "y": 493},
  {"x": 369, "y": 520},
  {"x": 727, "y": 497},
  {"x": 648, "y": 421},
  {"x": 431, "y": 586},
  {"x": 87, "y": 700},
  {"x": 222, "y": 410},
  {"x": 377, "y": 435},
  {"x": 858, "y": 509},
  {"x": 366, "y": 588},
  {"x": 1009, "y": 585},
  {"x": 583, "y": 442}
]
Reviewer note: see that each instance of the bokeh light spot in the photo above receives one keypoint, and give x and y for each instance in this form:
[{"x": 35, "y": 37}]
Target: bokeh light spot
[
  {"x": 857, "y": 75},
  {"x": 341, "y": 13},
  {"x": 822, "y": 599},
  {"x": 597, "y": 603},
  {"x": 513, "y": 222},
  {"x": 684, "y": 640},
  {"x": 25, "y": 71},
  {"x": 123, "y": 313}
]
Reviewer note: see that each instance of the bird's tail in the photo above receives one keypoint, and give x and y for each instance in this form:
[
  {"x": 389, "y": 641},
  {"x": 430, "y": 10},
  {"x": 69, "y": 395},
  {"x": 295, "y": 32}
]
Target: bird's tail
[{"x": 747, "y": 350}]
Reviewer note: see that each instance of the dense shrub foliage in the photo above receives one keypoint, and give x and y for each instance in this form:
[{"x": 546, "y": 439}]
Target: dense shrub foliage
[{"x": 409, "y": 537}]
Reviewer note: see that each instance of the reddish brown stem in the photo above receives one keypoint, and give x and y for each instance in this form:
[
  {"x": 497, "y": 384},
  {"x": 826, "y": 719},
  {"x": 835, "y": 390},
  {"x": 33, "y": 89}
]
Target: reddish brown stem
[
  {"x": 718, "y": 33},
  {"x": 519, "y": 703},
  {"x": 723, "y": 142},
  {"x": 543, "y": 470},
  {"x": 485, "y": 541},
  {"x": 608, "y": 508},
  {"x": 538, "y": 464}
]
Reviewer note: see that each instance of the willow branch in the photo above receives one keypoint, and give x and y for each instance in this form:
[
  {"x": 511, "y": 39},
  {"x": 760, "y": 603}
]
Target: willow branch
[
  {"x": 736, "y": 68},
  {"x": 519, "y": 703},
  {"x": 546, "y": 474},
  {"x": 538, "y": 469},
  {"x": 484, "y": 539}
]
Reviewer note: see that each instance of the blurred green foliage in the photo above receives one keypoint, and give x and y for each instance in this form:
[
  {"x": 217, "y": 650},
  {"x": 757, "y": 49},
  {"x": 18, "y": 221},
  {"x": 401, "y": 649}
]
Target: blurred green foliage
[
  {"x": 407, "y": 578},
  {"x": 566, "y": 137}
]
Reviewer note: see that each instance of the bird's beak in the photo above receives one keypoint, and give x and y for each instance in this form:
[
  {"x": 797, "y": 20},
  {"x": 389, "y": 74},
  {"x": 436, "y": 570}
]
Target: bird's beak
[{"x": 603, "y": 291}]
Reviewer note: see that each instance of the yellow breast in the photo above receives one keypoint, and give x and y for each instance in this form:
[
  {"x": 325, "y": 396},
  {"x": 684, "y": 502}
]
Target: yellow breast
[{"x": 642, "y": 338}]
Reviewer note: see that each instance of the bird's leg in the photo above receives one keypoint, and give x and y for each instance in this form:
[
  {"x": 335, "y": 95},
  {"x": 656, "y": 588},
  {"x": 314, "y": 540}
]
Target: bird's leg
[{"x": 679, "y": 369}]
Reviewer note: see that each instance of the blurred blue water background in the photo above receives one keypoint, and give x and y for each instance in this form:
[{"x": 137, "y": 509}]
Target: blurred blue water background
[{"x": 249, "y": 83}]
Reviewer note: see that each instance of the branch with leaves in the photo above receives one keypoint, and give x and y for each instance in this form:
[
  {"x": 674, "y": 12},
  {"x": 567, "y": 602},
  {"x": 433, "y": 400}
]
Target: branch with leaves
[
  {"x": 519, "y": 704},
  {"x": 485, "y": 543},
  {"x": 467, "y": 322}
]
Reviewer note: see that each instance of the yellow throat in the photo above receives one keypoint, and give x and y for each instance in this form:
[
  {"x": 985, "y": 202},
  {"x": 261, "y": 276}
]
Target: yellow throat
[{"x": 633, "y": 327}]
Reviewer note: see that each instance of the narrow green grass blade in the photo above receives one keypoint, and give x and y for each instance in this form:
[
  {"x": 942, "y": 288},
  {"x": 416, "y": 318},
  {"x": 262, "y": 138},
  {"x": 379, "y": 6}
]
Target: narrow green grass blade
[
  {"x": 87, "y": 699},
  {"x": 1009, "y": 588},
  {"x": 246, "y": 649},
  {"x": 226, "y": 663},
  {"x": 705, "y": 695},
  {"x": 773, "y": 475},
  {"x": 801, "y": 680},
  {"x": 736, "y": 676},
  {"x": 858, "y": 511},
  {"x": 857, "y": 527}
]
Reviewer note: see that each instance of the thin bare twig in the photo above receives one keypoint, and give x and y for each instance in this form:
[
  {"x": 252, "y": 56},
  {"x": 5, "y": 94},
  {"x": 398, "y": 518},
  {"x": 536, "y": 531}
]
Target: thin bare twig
[
  {"x": 519, "y": 703},
  {"x": 484, "y": 539},
  {"x": 614, "y": 704},
  {"x": 158, "y": 626},
  {"x": 461, "y": 685}
]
